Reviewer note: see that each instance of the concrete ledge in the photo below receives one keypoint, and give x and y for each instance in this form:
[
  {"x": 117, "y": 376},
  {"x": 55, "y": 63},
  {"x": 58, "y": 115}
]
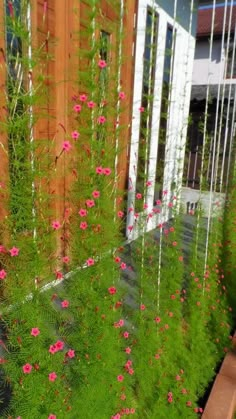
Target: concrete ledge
[{"x": 222, "y": 401}]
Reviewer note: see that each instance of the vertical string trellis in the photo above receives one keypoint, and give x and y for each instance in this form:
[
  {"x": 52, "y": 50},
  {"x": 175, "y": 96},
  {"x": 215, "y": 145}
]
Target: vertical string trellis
[
  {"x": 226, "y": 136},
  {"x": 205, "y": 136},
  {"x": 31, "y": 133},
  {"x": 216, "y": 147},
  {"x": 159, "y": 274},
  {"x": 215, "y": 165},
  {"x": 147, "y": 147},
  {"x": 181, "y": 155},
  {"x": 232, "y": 134}
]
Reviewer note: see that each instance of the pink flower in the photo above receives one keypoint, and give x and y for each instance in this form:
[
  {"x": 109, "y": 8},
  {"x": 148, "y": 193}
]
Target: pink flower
[
  {"x": 14, "y": 251},
  {"x": 3, "y": 274},
  {"x": 139, "y": 196},
  {"x": 189, "y": 403},
  {"x": 71, "y": 353},
  {"x": 121, "y": 322},
  {"x": 96, "y": 194},
  {"x": 178, "y": 377},
  {"x": 128, "y": 350},
  {"x": 90, "y": 203},
  {"x": 117, "y": 259},
  {"x": 90, "y": 262},
  {"x": 75, "y": 135},
  {"x": 66, "y": 259},
  {"x": 52, "y": 376},
  {"x": 99, "y": 170},
  {"x": 126, "y": 335},
  {"x": 174, "y": 243},
  {"x": 91, "y": 104},
  {"x": 56, "y": 225},
  {"x": 120, "y": 214},
  {"x": 35, "y": 331},
  {"x": 83, "y": 98},
  {"x": 101, "y": 120},
  {"x": 83, "y": 225},
  {"x": 52, "y": 349},
  {"x": 148, "y": 183},
  {"x": 157, "y": 356},
  {"x": 51, "y": 416},
  {"x": 141, "y": 109},
  {"x": 77, "y": 108},
  {"x": 157, "y": 319},
  {"x": 83, "y": 212},
  {"x": 120, "y": 378},
  {"x": 2, "y": 249},
  {"x": 123, "y": 266},
  {"x": 27, "y": 368},
  {"x": 66, "y": 146},
  {"x": 158, "y": 202},
  {"x": 102, "y": 64},
  {"x": 122, "y": 95},
  {"x": 65, "y": 303},
  {"x": 59, "y": 345},
  {"x": 59, "y": 275},
  {"x": 106, "y": 171},
  {"x": 112, "y": 290},
  {"x": 142, "y": 307}
]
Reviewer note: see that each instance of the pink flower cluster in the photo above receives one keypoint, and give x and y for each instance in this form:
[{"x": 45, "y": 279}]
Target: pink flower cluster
[
  {"x": 58, "y": 346},
  {"x": 119, "y": 324},
  {"x": 103, "y": 170}
]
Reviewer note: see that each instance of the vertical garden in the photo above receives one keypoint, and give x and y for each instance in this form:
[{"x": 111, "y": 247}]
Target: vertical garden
[{"x": 94, "y": 325}]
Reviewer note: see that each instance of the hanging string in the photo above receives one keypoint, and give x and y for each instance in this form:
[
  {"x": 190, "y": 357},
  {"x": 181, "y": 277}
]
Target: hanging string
[
  {"x": 205, "y": 137},
  {"x": 226, "y": 137},
  {"x": 121, "y": 27},
  {"x": 232, "y": 134},
  {"x": 212, "y": 157},
  {"x": 186, "y": 94},
  {"x": 215, "y": 173}
]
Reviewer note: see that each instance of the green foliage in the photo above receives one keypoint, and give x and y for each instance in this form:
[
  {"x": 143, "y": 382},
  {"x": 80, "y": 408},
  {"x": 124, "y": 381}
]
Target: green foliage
[{"x": 128, "y": 325}]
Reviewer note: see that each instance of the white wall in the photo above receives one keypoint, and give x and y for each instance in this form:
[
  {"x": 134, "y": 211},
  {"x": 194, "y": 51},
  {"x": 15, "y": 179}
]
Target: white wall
[
  {"x": 209, "y": 71},
  {"x": 178, "y": 108}
]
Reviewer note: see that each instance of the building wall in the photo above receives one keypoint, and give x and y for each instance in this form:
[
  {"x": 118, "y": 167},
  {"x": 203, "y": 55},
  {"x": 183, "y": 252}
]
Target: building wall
[{"x": 206, "y": 69}]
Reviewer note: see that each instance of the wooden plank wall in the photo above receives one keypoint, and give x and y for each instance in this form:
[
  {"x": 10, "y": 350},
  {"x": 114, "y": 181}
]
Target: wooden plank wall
[{"x": 57, "y": 30}]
